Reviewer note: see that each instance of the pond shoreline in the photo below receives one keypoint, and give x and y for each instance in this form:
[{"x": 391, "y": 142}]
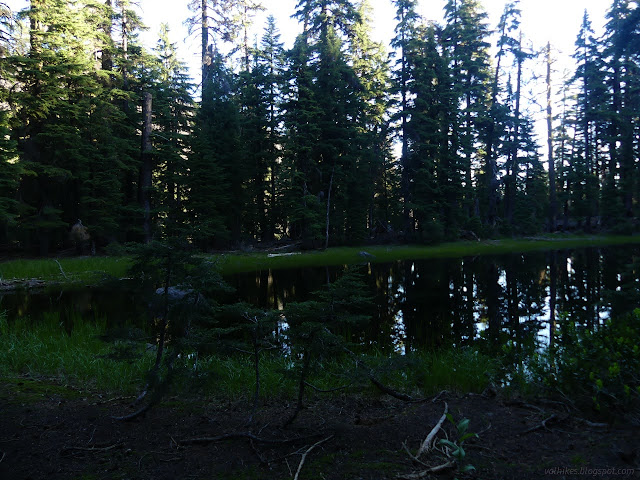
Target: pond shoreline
[{"x": 38, "y": 274}]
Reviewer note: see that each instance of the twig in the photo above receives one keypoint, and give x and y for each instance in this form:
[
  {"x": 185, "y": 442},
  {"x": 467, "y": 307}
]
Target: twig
[
  {"x": 61, "y": 270},
  {"x": 91, "y": 449},
  {"x": 412, "y": 456},
  {"x": 134, "y": 415},
  {"x": 4, "y": 454},
  {"x": 425, "y": 473},
  {"x": 542, "y": 425},
  {"x": 435, "y": 399},
  {"x": 92, "y": 434},
  {"x": 517, "y": 403},
  {"x": 227, "y": 436},
  {"x": 426, "y": 445},
  {"x": 326, "y": 391},
  {"x": 593, "y": 424},
  {"x": 255, "y": 450},
  {"x": 110, "y": 400},
  {"x": 390, "y": 391},
  {"x": 304, "y": 455}
]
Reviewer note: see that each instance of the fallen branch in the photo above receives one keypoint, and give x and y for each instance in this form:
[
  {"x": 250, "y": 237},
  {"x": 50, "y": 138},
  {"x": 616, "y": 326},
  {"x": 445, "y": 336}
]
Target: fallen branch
[
  {"x": 390, "y": 391},
  {"x": 426, "y": 444},
  {"x": 134, "y": 415},
  {"x": 425, "y": 473},
  {"x": 521, "y": 404},
  {"x": 91, "y": 449},
  {"x": 111, "y": 400},
  {"x": 383, "y": 388},
  {"x": 412, "y": 456},
  {"x": 593, "y": 424},
  {"x": 61, "y": 270},
  {"x": 250, "y": 436},
  {"x": 326, "y": 391},
  {"x": 543, "y": 424},
  {"x": 304, "y": 455},
  {"x": 435, "y": 399},
  {"x": 4, "y": 454}
]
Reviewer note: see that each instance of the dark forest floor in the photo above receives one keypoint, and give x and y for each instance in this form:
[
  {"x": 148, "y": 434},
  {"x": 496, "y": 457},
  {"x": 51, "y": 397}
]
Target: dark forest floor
[{"x": 49, "y": 432}]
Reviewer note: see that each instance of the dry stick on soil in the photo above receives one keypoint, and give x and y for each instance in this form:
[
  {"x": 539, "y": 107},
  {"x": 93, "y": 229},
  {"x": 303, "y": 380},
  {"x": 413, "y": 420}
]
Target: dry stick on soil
[
  {"x": 4, "y": 454},
  {"x": 326, "y": 391},
  {"x": 304, "y": 455},
  {"x": 91, "y": 449},
  {"x": 543, "y": 424},
  {"x": 426, "y": 445},
  {"x": 425, "y": 473},
  {"x": 435, "y": 399},
  {"x": 227, "y": 436},
  {"x": 413, "y": 457}
]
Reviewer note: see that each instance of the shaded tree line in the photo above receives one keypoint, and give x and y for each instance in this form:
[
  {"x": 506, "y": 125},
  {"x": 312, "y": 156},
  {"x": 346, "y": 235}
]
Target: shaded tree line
[{"x": 333, "y": 141}]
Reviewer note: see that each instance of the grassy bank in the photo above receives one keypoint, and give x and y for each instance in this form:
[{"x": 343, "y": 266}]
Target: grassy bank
[
  {"x": 92, "y": 269},
  {"x": 246, "y": 262},
  {"x": 89, "y": 270},
  {"x": 89, "y": 358}
]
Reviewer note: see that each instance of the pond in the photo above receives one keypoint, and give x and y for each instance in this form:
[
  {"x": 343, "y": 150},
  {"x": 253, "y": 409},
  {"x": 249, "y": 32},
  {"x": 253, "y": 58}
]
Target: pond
[{"x": 506, "y": 301}]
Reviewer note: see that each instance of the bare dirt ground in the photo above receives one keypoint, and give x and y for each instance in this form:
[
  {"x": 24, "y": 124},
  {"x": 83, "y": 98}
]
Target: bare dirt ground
[{"x": 50, "y": 432}]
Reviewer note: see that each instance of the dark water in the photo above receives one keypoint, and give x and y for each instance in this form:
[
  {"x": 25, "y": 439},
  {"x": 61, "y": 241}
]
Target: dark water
[{"x": 508, "y": 301}]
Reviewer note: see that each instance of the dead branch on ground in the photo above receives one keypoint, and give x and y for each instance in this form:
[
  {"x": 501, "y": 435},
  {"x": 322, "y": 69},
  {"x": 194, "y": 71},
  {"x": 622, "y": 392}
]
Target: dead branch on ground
[
  {"x": 250, "y": 436},
  {"x": 91, "y": 449},
  {"x": 425, "y": 473},
  {"x": 553, "y": 418},
  {"x": 426, "y": 444},
  {"x": 304, "y": 455}
]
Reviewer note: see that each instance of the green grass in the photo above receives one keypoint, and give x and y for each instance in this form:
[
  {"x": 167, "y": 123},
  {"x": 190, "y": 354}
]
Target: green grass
[
  {"x": 246, "y": 262},
  {"x": 80, "y": 359},
  {"x": 84, "y": 360},
  {"x": 74, "y": 270},
  {"x": 90, "y": 270}
]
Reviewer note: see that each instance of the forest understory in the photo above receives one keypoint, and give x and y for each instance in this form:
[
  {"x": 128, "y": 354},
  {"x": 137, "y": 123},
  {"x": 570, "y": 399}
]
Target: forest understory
[{"x": 54, "y": 432}]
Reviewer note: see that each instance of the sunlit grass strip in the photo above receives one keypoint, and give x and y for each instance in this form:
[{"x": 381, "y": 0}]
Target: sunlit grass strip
[
  {"x": 247, "y": 262},
  {"x": 79, "y": 359},
  {"x": 90, "y": 270},
  {"x": 74, "y": 270}
]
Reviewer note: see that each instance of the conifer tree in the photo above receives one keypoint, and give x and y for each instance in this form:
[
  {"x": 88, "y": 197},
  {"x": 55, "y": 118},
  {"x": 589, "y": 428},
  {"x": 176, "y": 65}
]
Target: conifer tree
[
  {"x": 408, "y": 20},
  {"x": 465, "y": 41},
  {"x": 173, "y": 121},
  {"x": 369, "y": 62},
  {"x": 215, "y": 178}
]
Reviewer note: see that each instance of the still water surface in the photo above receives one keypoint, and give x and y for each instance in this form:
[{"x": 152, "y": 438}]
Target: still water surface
[{"x": 502, "y": 300}]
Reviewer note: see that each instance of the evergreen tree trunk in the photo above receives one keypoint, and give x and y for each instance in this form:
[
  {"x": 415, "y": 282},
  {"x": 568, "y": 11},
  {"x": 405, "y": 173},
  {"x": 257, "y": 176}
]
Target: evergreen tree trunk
[
  {"x": 206, "y": 58},
  {"x": 107, "y": 57},
  {"x": 553, "y": 201},
  {"x": 326, "y": 235},
  {"x": 512, "y": 185},
  {"x": 145, "y": 169}
]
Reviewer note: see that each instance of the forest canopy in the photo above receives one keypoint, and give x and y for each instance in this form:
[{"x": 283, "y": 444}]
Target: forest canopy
[{"x": 338, "y": 140}]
